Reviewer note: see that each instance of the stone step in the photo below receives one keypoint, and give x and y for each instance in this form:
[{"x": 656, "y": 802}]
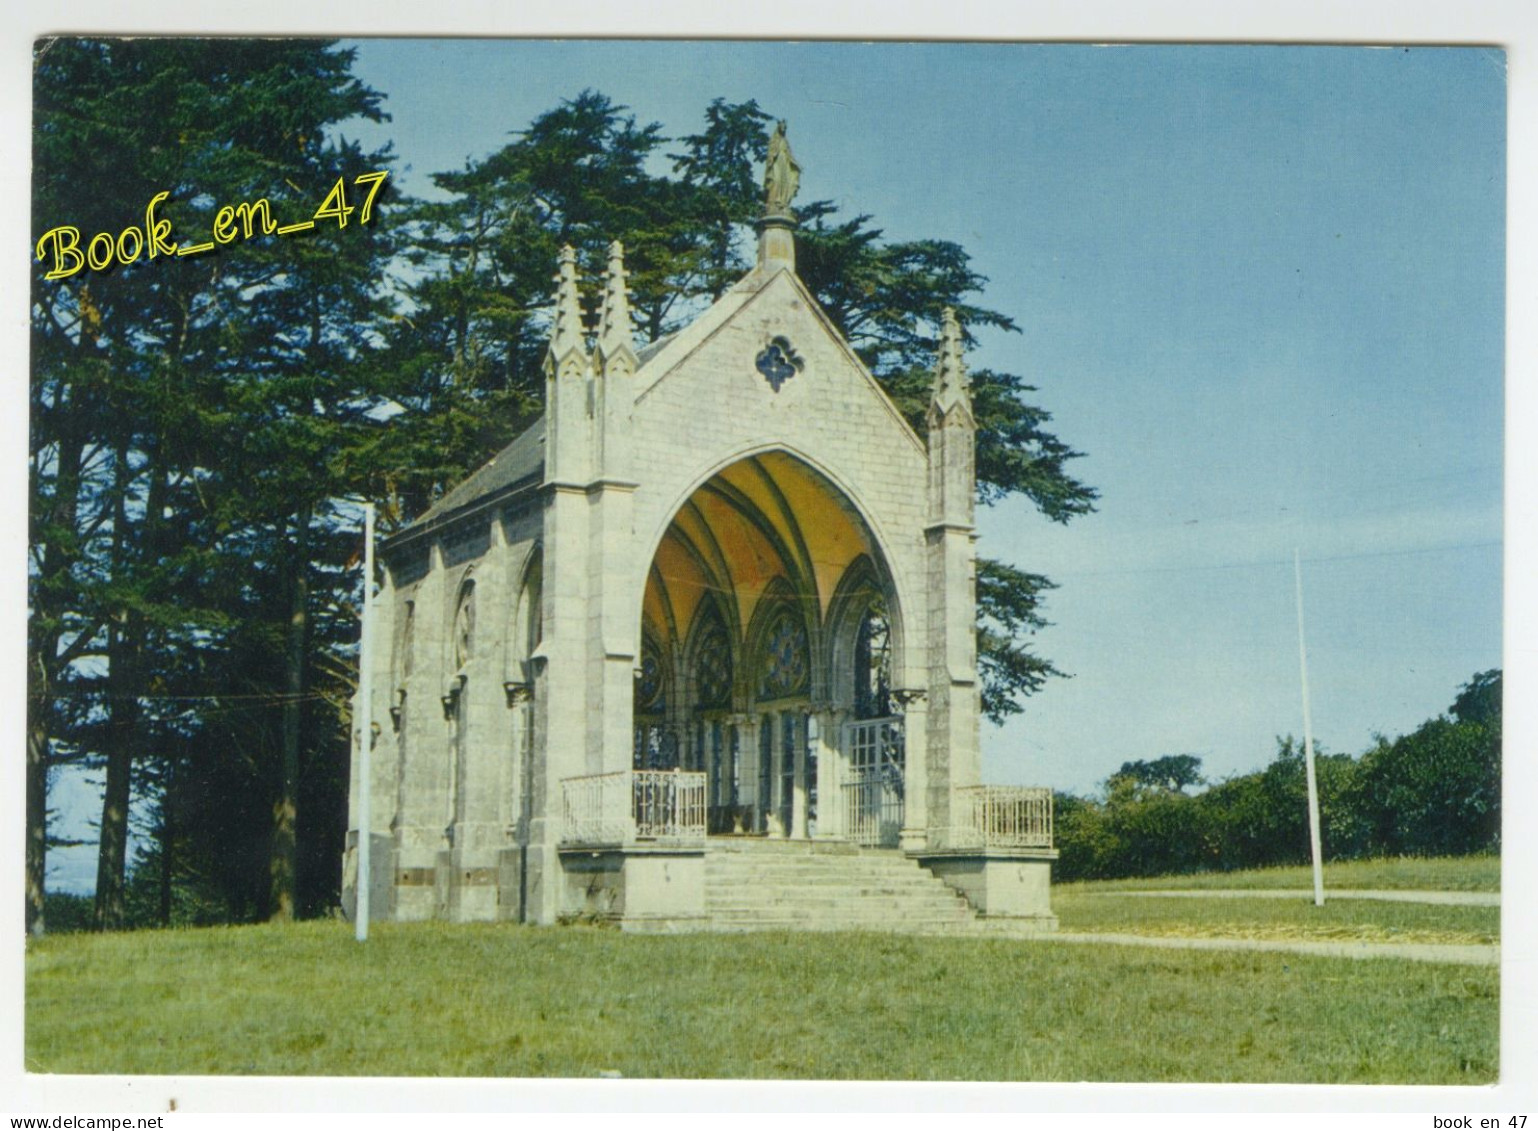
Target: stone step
[
  {"x": 846, "y": 917},
  {"x": 758, "y": 884},
  {"x": 774, "y": 846},
  {"x": 965, "y": 927},
  {"x": 777, "y": 860},
  {"x": 791, "y": 860},
  {"x": 830, "y": 891},
  {"x": 863, "y": 907},
  {"x": 826, "y": 893},
  {"x": 899, "y": 879},
  {"x": 851, "y": 889},
  {"x": 813, "y": 866},
  {"x": 831, "y": 923},
  {"x": 816, "y": 883},
  {"x": 882, "y": 883}
]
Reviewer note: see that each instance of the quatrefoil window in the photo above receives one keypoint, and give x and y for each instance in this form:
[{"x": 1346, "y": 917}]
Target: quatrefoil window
[{"x": 779, "y": 362}]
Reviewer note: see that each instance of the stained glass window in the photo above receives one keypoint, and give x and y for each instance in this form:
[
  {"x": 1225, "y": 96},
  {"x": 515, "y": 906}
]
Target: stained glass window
[
  {"x": 785, "y": 664},
  {"x": 649, "y": 697},
  {"x": 713, "y": 662},
  {"x": 779, "y": 362},
  {"x": 656, "y": 748}
]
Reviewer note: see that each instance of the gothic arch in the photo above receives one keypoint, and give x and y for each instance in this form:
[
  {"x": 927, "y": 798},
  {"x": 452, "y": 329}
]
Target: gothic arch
[
  {"x": 861, "y": 589},
  {"x": 835, "y": 485},
  {"x": 767, "y": 567},
  {"x": 712, "y": 659},
  {"x": 782, "y": 625},
  {"x": 403, "y": 650},
  {"x": 461, "y": 637},
  {"x": 528, "y": 619}
]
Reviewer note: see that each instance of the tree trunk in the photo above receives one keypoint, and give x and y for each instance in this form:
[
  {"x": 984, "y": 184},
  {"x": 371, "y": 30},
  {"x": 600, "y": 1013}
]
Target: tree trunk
[
  {"x": 285, "y": 812},
  {"x": 112, "y": 856},
  {"x": 125, "y": 647},
  {"x": 167, "y": 839},
  {"x": 37, "y": 818},
  {"x": 43, "y": 661}
]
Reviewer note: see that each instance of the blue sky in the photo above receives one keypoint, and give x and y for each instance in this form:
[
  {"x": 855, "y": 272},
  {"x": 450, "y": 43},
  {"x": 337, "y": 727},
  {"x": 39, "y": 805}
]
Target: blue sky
[{"x": 1260, "y": 287}]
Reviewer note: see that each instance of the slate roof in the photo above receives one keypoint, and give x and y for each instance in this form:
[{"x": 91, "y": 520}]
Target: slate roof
[{"x": 523, "y": 459}]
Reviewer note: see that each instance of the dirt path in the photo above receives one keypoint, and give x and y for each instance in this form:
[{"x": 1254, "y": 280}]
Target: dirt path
[
  {"x": 1458, "y": 898},
  {"x": 1463, "y": 955}
]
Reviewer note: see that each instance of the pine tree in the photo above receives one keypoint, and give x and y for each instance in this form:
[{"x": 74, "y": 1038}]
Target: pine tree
[{"x": 191, "y": 414}]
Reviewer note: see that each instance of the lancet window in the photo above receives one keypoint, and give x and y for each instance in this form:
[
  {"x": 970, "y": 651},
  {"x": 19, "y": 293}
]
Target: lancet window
[
  {"x": 873, "y": 663},
  {"x": 713, "y": 662},
  {"x": 464, "y": 626},
  {"x": 656, "y": 744}
]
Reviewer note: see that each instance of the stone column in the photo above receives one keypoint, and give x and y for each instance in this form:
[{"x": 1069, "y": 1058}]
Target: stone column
[
  {"x": 747, "y": 732},
  {"x": 798, "y": 808},
  {"x": 830, "y": 822},
  {"x": 776, "y": 802},
  {"x": 512, "y": 862},
  {"x": 612, "y": 628},
  {"x": 615, "y": 582},
  {"x": 830, "y": 815},
  {"x": 421, "y": 739},
  {"x": 916, "y": 808},
  {"x": 384, "y": 758},
  {"x": 952, "y": 726},
  {"x": 564, "y": 690}
]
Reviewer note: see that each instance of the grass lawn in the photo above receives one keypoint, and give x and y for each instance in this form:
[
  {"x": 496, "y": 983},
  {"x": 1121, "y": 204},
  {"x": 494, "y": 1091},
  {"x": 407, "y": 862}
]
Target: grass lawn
[
  {"x": 1096, "y": 907},
  {"x": 495, "y": 1000},
  {"x": 1403, "y": 873}
]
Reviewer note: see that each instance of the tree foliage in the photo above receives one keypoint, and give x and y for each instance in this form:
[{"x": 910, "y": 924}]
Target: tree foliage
[
  {"x": 191, "y": 419},
  {"x": 1435, "y": 791},
  {"x": 1172, "y": 773}
]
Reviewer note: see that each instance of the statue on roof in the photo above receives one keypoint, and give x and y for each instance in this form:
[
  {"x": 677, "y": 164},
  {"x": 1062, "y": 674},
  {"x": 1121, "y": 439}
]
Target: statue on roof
[{"x": 782, "y": 176}]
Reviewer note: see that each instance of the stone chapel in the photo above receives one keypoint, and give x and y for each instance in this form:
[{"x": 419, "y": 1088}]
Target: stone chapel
[{"x": 697, "y": 650}]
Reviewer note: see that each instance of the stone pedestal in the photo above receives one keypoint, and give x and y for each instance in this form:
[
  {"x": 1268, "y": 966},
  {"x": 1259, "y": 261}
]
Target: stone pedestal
[
  {"x": 1010, "y": 885},
  {"x": 382, "y": 867},
  {"x": 664, "y": 889},
  {"x": 512, "y": 884},
  {"x": 777, "y": 241},
  {"x": 641, "y": 887}
]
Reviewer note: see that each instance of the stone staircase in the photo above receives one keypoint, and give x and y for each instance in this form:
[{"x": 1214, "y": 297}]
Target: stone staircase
[{"x": 754, "y": 884}]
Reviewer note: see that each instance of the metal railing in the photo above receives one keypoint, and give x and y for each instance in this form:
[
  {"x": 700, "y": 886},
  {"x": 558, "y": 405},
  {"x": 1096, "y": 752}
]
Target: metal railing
[
  {"x": 873, "y": 807},
  {"x": 1001, "y": 816},
  {"x": 668, "y": 803},
  {"x": 631, "y": 805},
  {"x": 873, "y": 785}
]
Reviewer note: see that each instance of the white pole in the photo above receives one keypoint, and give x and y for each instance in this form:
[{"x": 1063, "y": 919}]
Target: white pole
[
  {"x": 365, "y": 729},
  {"x": 1308, "y": 743}
]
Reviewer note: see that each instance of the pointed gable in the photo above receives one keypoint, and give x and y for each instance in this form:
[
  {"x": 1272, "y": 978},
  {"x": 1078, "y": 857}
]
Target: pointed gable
[{"x": 765, "y": 342}]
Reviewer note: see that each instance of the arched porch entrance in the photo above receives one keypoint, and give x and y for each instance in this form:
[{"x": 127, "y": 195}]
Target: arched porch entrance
[{"x": 770, "y": 636}]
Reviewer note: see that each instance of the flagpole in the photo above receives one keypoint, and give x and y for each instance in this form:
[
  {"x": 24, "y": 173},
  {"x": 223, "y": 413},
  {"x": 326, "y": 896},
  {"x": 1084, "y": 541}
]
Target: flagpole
[
  {"x": 365, "y": 730},
  {"x": 1308, "y": 742}
]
